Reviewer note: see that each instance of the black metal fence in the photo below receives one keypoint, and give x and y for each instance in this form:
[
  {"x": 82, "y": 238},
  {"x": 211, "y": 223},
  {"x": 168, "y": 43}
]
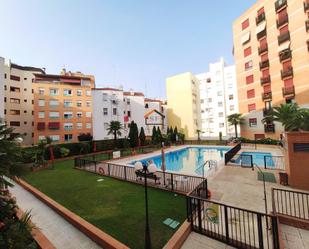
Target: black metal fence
[
  {"x": 231, "y": 153},
  {"x": 291, "y": 203},
  {"x": 164, "y": 180},
  {"x": 234, "y": 226}
]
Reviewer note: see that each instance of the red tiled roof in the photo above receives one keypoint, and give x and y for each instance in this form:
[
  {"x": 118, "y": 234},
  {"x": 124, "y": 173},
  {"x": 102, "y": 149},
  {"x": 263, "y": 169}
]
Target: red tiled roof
[
  {"x": 133, "y": 94},
  {"x": 152, "y": 100},
  {"x": 152, "y": 111},
  {"x": 106, "y": 89}
]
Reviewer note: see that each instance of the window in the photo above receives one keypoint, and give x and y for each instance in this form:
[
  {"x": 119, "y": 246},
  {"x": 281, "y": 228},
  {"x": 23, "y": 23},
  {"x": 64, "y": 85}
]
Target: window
[
  {"x": 104, "y": 96},
  {"x": 146, "y": 106},
  {"x": 53, "y": 103},
  {"x": 129, "y": 113},
  {"x": 88, "y": 103},
  {"x": 41, "y": 138},
  {"x": 267, "y": 88},
  {"x": 251, "y": 107},
  {"x": 288, "y": 83},
  {"x": 67, "y": 92},
  {"x": 68, "y": 115},
  {"x": 41, "y": 91},
  {"x": 219, "y": 93},
  {"x": 54, "y": 138},
  {"x": 15, "y": 89},
  {"x": 53, "y": 92},
  {"x": 250, "y": 94},
  {"x": 231, "y": 97},
  {"x": 14, "y": 101},
  {"x": 220, "y": 114},
  {"x": 209, "y": 100},
  {"x": 284, "y": 30},
  {"x": 41, "y": 115},
  {"x": 14, "y": 112},
  {"x": 67, "y": 103},
  {"x": 88, "y": 92},
  {"x": 114, "y": 111},
  {"x": 245, "y": 24},
  {"x": 53, "y": 114},
  {"x": 16, "y": 78},
  {"x": 79, "y": 92},
  {"x": 41, "y": 102},
  {"x": 88, "y": 114},
  {"x": 264, "y": 57},
  {"x": 247, "y": 51},
  {"x": 287, "y": 65},
  {"x": 79, "y": 114},
  {"x": 252, "y": 122},
  {"x": 128, "y": 101},
  {"x": 79, "y": 126},
  {"x": 14, "y": 123},
  {"x": 260, "y": 11},
  {"x": 68, "y": 137},
  {"x": 85, "y": 82},
  {"x": 79, "y": 103},
  {"x": 220, "y": 104},
  {"x": 248, "y": 65},
  {"x": 249, "y": 79},
  {"x": 68, "y": 126},
  {"x": 105, "y": 112},
  {"x": 232, "y": 108},
  {"x": 88, "y": 125},
  {"x": 221, "y": 125}
]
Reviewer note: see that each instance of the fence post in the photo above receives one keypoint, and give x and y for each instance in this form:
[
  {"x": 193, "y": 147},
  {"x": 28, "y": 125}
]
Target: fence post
[
  {"x": 172, "y": 181},
  {"x": 95, "y": 166},
  {"x": 108, "y": 169},
  {"x": 265, "y": 162},
  {"x": 226, "y": 220},
  {"x": 275, "y": 233},
  {"x": 199, "y": 215},
  {"x": 125, "y": 172},
  {"x": 260, "y": 231}
]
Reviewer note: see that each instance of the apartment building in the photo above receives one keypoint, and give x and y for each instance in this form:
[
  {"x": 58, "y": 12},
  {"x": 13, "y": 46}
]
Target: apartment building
[
  {"x": 18, "y": 99},
  {"x": 271, "y": 50},
  {"x": 155, "y": 115},
  {"x": 1, "y": 89},
  {"x": 62, "y": 106},
  {"x": 218, "y": 99},
  {"x": 183, "y": 103}
]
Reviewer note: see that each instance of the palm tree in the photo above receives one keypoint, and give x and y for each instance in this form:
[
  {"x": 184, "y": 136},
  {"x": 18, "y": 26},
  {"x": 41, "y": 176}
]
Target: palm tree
[
  {"x": 235, "y": 119},
  {"x": 199, "y": 134},
  {"x": 115, "y": 128}
]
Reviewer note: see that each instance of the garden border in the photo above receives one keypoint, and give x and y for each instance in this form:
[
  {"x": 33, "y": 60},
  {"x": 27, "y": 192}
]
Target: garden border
[{"x": 179, "y": 237}]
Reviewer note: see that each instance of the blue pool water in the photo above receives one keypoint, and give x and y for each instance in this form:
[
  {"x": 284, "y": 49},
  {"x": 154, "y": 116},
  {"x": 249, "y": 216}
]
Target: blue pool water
[
  {"x": 257, "y": 158},
  {"x": 188, "y": 160}
]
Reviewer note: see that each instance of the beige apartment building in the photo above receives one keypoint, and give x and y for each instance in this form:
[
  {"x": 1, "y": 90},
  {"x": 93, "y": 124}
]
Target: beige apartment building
[
  {"x": 62, "y": 106},
  {"x": 271, "y": 51},
  {"x": 18, "y": 97},
  {"x": 183, "y": 104}
]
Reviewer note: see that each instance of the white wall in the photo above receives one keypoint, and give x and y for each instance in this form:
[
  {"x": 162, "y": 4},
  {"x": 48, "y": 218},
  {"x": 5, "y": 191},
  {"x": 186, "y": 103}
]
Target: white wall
[{"x": 1, "y": 88}]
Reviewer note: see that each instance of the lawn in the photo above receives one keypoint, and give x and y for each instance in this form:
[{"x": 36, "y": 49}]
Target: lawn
[{"x": 114, "y": 206}]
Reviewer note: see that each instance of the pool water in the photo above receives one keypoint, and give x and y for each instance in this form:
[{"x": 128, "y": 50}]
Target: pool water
[
  {"x": 257, "y": 158},
  {"x": 188, "y": 160}
]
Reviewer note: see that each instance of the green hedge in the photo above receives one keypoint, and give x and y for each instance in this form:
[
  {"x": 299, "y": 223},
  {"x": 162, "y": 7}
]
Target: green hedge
[{"x": 259, "y": 141}]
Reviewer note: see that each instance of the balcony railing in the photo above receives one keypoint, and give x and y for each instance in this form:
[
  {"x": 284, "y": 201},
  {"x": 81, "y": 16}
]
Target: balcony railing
[
  {"x": 288, "y": 91},
  {"x": 280, "y": 4},
  {"x": 306, "y": 6},
  {"x": 285, "y": 54},
  {"x": 269, "y": 127},
  {"x": 263, "y": 49},
  {"x": 283, "y": 20},
  {"x": 265, "y": 80},
  {"x": 264, "y": 64},
  {"x": 307, "y": 25},
  {"x": 287, "y": 73},
  {"x": 308, "y": 45},
  {"x": 267, "y": 96},
  {"x": 284, "y": 37},
  {"x": 261, "y": 34},
  {"x": 267, "y": 111},
  {"x": 260, "y": 18}
]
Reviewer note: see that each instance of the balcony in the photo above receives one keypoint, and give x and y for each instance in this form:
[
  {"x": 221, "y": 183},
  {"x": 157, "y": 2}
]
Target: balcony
[
  {"x": 265, "y": 80},
  {"x": 283, "y": 20},
  {"x": 287, "y": 73},
  {"x": 284, "y": 37},
  {"x": 263, "y": 49},
  {"x": 267, "y": 111},
  {"x": 41, "y": 126},
  {"x": 307, "y": 25},
  {"x": 54, "y": 125},
  {"x": 260, "y": 18},
  {"x": 288, "y": 91},
  {"x": 269, "y": 127},
  {"x": 308, "y": 45},
  {"x": 285, "y": 54},
  {"x": 261, "y": 34},
  {"x": 280, "y": 4},
  {"x": 267, "y": 96},
  {"x": 306, "y": 6},
  {"x": 264, "y": 64}
]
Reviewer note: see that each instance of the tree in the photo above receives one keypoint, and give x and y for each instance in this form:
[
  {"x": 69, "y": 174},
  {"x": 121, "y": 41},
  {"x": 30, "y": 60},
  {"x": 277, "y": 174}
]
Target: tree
[
  {"x": 154, "y": 135},
  {"x": 133, "y": 134},
  {"x": 142, "y": 136},
  {"x": 199, "y": 134},
  {"x": 235, "y": 119},
  {"x": 40, "y": 151},
  {"x": 84, "y": 137},
  {"x": 114, "y": 128},
  {"x": 175, "y": 134},
  {"x": 158, "y": 136}
]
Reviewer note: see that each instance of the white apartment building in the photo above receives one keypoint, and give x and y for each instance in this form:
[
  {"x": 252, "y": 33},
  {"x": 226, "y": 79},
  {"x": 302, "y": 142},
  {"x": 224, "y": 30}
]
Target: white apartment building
[
  {"x": 218, "y": 98},
  {"x": 111, "y": 104},
  {"x": 1, "y": 89}
]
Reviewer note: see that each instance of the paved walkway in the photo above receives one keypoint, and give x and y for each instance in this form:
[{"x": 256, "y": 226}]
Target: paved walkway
[
  {"x": 61, "y": 233},
  {"x": 294, "y": 238}
]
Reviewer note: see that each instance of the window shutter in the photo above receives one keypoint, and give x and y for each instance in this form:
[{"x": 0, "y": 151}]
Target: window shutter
[
  {"x": 247, "y": 51},
  {"x": 250, "y": 94},
  {"x": 265, "y": 72},
  {"x": 249, "y": 79},
  {"x": 267, "y": 88},
  {"x": 245, "y": 24},
  {"x": 284, "y": 30},
  {"x": 288, "y": 83},
  {"x": 251, "y": 107}
]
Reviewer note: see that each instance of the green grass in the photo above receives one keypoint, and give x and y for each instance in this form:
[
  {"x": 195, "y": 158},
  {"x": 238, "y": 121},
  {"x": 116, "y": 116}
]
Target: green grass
[{"x": 114, "y": 206}]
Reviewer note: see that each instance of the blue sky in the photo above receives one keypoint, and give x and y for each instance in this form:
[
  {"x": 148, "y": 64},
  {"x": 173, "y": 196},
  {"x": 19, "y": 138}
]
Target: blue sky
[{"x": 136, "y": 44}]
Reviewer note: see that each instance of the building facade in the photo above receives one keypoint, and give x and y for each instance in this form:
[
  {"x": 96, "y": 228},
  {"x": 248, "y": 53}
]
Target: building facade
[
  {"x": 1, "y": 89},
  {"x": 271, "y": 51},
  {"x": 218, "y": 98},
  {"x": 183, "y": 103},
  {"x": 155, "y": 115},
  {"x": 62, "y": 106},
  {"x": 18, "y": 98}
]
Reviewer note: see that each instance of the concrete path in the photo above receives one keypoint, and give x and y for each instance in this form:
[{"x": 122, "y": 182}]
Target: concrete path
[
  {"x": 61, "y": 233},
  {"x": 295, "y": 238}
]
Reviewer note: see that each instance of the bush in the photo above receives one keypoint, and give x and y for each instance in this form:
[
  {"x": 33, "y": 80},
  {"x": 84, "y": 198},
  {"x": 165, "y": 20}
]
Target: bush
[{"x": 258, "y": 141}]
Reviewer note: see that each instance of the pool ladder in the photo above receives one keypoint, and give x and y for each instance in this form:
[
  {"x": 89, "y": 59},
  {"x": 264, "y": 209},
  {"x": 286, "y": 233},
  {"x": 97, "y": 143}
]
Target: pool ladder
[{"x": 211, "y": 164}]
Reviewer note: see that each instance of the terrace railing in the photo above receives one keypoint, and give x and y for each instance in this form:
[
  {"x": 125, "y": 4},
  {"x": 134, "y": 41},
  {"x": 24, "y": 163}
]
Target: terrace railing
[
  {"x": 170, "y": 181},
  {"x": 234, "y": 226},
  {"x": 291, "y": 203},
  {"x": 231, "y": 153}
]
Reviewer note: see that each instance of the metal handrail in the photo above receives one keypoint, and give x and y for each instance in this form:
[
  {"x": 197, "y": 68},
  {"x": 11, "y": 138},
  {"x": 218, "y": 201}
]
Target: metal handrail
[{"x": 211, "y": 163}]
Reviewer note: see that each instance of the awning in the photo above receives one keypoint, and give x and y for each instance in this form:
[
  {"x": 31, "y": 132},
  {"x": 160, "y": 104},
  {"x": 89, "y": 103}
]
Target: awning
[
  {"x": 261, "y": 27},
  {"x": 53, "y": 125},
  {"x": 65, "y": 80},
  {"x": 245, "y": 38},
  {"x": 284, "y": 46}
]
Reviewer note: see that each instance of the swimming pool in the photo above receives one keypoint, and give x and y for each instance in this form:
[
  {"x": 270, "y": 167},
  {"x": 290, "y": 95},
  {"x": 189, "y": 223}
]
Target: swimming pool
[
  {"x": 257, "y": 158},
  {"x": 187, "y": 160}
]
